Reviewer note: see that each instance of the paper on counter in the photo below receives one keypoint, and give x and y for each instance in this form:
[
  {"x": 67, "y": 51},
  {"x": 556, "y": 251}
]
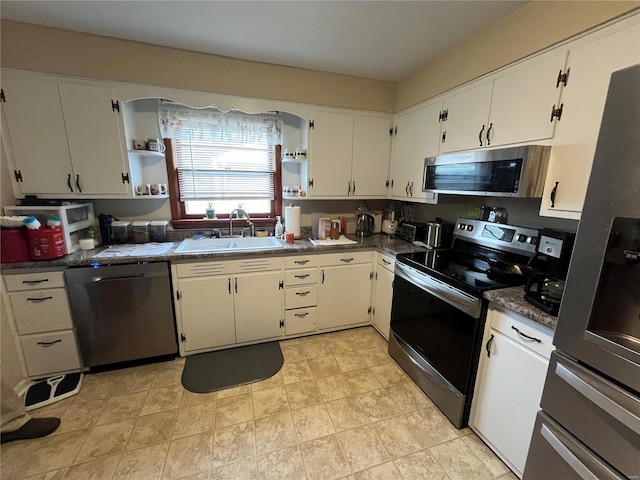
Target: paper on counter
[
  {"x": 340, "y": 241},
  {"x": 136, "y": 250}
]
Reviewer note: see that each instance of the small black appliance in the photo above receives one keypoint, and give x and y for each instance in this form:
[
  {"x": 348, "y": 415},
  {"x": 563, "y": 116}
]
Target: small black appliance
[{"x": 106, "y": 234}]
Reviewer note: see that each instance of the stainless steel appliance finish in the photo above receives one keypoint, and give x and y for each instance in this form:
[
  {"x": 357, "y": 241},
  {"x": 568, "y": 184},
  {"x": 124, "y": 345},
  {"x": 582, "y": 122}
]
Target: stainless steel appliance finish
[
  {"x": 505, "y": 172},
  {"x": 439, "y": 234},
  {"x": 122, "y": 312},
  {"x": 438, "y": 312},
  {"x": 592, "y": 391}
]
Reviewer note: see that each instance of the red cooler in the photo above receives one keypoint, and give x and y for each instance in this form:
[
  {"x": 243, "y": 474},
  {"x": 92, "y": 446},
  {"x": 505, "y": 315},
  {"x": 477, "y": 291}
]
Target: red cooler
[
  {"x": 14, "y": 245},
  {"x": 46, "y": 243}
]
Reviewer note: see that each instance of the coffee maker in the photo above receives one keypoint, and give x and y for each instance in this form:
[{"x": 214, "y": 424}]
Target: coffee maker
[{"x": 544, "y": 290}]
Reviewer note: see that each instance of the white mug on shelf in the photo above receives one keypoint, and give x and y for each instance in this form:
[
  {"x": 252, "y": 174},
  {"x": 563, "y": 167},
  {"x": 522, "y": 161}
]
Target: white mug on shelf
[
  {"x": 162, "y": 187},
  {"x": 143, "y": 189},
  {"x": 156, "y": 145},
  {"x": 139, "y": 144}
]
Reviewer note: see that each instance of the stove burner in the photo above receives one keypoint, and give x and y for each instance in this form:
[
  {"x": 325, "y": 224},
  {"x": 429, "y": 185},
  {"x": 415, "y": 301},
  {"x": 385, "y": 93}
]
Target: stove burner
[{"x": 458, "y": 276}]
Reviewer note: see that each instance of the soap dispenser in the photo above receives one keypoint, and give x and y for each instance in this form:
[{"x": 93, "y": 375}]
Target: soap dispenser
[{"x": 279, "y": 230}]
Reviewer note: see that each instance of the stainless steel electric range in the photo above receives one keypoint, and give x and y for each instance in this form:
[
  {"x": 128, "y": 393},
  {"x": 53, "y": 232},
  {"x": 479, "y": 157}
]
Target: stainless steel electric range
[{"x": 438, "y": 312}]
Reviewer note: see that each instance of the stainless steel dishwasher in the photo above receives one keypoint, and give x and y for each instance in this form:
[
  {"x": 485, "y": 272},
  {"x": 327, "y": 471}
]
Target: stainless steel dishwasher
[{"x": 122, "y": 312}]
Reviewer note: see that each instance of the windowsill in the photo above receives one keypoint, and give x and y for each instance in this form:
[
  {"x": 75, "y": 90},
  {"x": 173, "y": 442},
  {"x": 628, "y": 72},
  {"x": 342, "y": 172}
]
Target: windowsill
[{"x": 195, "y": 223}]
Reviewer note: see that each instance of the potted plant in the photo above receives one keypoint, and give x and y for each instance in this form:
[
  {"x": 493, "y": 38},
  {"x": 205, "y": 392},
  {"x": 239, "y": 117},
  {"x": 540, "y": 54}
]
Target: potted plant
[{"x": 210, "y": 211}]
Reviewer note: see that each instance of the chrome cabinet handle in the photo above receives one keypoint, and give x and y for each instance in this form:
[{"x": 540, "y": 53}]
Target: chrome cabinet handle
[
  {"x": 49, "y": 344},
  {"x": 525, "y": 335},
  {"x": 301, "y": 315},
  {"x": 567, "y": 455},
  {"x": 303, "y": 294},
  {"x": 39, "y": 300}
]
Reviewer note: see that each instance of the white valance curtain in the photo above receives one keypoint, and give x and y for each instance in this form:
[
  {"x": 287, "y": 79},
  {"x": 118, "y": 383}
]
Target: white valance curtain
[{"x": 222, "y": 155}]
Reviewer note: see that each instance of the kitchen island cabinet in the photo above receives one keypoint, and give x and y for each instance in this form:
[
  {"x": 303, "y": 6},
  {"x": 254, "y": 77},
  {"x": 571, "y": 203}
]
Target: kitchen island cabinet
[
  {"x": 589, "y": 67},
  {"x": 349, "y": 155},
  {"x": 75, "y": 126},
  {"x": 511, "y": 374}
]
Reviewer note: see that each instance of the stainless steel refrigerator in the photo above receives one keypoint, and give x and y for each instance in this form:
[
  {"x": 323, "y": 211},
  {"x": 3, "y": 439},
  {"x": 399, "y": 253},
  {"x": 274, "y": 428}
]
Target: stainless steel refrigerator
[{"x": 589, "y": 426}]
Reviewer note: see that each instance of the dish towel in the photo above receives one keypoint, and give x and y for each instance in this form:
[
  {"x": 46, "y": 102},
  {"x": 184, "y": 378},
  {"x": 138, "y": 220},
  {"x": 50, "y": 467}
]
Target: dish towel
[{"x": 340, "y": 241}]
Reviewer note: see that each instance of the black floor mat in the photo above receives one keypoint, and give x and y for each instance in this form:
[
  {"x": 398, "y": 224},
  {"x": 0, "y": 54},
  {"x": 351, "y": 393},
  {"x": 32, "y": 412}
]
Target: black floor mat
[{"x": 213, "y": 371}]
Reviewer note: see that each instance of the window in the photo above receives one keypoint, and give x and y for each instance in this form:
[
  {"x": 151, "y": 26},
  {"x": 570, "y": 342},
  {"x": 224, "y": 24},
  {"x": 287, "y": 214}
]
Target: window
[{"x": 227, "y": 159}]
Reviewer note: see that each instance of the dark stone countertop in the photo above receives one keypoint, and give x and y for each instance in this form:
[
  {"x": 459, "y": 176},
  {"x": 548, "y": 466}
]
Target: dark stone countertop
[
  {"x": 513, "y": 299},
  {"x": 379, "y": 242}
]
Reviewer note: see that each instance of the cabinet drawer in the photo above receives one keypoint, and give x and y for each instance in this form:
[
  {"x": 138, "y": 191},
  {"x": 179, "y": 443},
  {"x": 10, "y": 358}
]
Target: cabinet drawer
[
  {"x": 301, "y": 297},
  {"x": 301, "y": 277},
  {"x": 51, "y": 353},
  {"x": 34, "y": 281},
  {"x": 301, "y": 320},
  {"x": 301, "y": 261},
  {"x": 227, "y": 267},
  {"x": 346, "y": 258},
  {"x": 41, "y": 310},
  {"x": 387, "y": 261},
  {"x": 510, "y": 323}
]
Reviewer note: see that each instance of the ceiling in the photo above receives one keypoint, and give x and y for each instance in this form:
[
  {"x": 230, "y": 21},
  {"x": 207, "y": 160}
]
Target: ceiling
[{"x": 385, "y": 40}]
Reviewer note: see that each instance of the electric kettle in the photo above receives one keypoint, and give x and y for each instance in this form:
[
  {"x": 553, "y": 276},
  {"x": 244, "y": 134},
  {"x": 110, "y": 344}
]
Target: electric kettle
[{"x": 365, "y": 225}]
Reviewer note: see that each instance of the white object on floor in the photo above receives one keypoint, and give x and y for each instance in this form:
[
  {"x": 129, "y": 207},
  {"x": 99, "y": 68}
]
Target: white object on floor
[
  {"x": 45, "y": 392},
  {"x": 340, "y": 241}
]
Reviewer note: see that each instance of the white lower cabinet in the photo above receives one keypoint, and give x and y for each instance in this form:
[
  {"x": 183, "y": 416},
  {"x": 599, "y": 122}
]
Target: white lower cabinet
[
  {"x": 222, "y": 303},
  {"x": 43, "y": 322},
  {"x": 345, "y": 289},
  {"x": 383, "y": 294},
  {"x": 511, "y": 374}
]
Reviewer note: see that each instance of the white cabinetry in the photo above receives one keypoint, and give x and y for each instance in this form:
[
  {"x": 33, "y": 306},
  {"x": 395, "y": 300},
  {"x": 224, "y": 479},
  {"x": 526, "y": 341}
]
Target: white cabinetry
[
  {"x": 63, "y": 137},
  {"x": 301, "y": 294},
  {"x": 383, "y": 293},
  {"x": 43, "y": 322},
  {"x": 349, "y": 155},
  {"x": 511, "y": 375},
  {"x": 590, "y": 65},
  {"x": 416, "y": 137},
  {"x": 345, "y": 289},
  {"x": 513, "y": 107},
  {"x": 221, "y": 303}
]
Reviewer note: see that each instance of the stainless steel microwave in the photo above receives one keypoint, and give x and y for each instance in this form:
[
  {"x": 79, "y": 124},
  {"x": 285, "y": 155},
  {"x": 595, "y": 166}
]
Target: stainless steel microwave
[{"x": 505, "y": 172}]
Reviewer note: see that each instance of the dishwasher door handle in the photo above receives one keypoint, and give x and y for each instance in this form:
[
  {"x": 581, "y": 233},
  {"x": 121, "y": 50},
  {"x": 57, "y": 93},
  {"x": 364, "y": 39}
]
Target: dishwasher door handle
[{"x": 123, "y": 277}]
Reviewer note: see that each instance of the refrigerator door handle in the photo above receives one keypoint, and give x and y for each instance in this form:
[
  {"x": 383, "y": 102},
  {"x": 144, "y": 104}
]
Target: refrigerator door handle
[
  {"x": 567, "y": 455},
  {"x": 582, "y": 386}
]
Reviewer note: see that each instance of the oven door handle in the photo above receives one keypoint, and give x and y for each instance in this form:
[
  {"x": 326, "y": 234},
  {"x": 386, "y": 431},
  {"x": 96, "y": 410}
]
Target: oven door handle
[{"x": 459, "y": 299}]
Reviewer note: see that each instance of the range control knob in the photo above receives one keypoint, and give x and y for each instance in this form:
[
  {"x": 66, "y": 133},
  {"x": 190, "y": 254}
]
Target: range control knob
[
  {"x": 533, "y": 240},
  {"x": 461, "y": 226},
  {"x": 522, "y": 237},
  {"x": 469, "y": 228}
]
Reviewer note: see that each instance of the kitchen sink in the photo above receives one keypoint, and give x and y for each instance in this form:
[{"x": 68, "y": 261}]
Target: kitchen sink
[{"x": 227, "y": 244}]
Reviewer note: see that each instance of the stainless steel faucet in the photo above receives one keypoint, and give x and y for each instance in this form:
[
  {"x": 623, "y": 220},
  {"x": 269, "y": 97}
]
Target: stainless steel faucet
[
  {"x": 216, "y": 233},
  {"x": 239, "y": 211}
]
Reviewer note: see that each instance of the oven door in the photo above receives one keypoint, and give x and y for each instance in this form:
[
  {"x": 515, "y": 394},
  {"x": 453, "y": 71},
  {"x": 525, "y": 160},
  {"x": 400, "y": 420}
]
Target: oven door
[{"x": 435, "y": 333}]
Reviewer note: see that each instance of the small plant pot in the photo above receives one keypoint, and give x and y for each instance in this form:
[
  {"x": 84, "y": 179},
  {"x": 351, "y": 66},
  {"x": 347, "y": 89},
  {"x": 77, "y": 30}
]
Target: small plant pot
[{"x": 211, "y": 213}]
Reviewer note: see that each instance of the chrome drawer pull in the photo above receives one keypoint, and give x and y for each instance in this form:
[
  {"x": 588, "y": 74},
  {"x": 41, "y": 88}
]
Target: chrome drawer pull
[
  {"x": 34, "y": 282},
  {"x": 301, "y": 262},
  {"x": 303, "y": 294},
  {"x": 302, "y": 276},
  {"x": 301, "y": 315},
  {"x": 525, "y": 335},
  {"x": 38, "y": 300},
  {"x": 346, "y": 260},
  {"x": 48, "y": 344}
]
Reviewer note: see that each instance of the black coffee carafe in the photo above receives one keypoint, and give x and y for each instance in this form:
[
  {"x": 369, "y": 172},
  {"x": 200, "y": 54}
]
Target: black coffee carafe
[
  {"x": 106, "y": 235},
  {"x": 544, "y": 292}
]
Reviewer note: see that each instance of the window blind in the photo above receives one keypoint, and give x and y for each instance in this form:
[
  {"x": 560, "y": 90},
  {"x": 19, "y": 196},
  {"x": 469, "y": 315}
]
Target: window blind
[{"x": 221, "y": 156}]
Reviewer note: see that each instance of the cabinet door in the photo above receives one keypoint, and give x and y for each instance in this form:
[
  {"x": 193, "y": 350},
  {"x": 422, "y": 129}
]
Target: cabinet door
[
  {"x": 417, "y": 136},
  {"x": 371, "y": 151},
  {"x": 583, "y": 104},
  {"x": 345, "y": 295},
  {"x": 331, "y": 148},
  {"x": 258, "y": 306},
  {"x": 36, "y": 134},
  {"x": 467, "y": 119},
  {"x": 382, "y": 303},
  {"x": 93, "y": 132},
  {"x": 507, "y": 398},
  {"x": 522, "y": 101},
  {"x": 205, "y": 310}
]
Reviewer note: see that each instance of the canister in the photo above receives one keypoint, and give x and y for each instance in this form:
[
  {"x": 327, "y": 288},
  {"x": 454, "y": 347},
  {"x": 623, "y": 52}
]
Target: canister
[
  {"x": 120, "y": 231},
  {"x": 140, "y": 231},
  {"x": 158, "y": 230}
]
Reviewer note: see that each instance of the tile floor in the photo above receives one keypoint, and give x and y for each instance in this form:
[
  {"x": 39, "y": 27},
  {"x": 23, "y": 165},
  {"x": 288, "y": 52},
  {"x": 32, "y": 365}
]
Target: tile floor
[{"x": 339, "y": 408}]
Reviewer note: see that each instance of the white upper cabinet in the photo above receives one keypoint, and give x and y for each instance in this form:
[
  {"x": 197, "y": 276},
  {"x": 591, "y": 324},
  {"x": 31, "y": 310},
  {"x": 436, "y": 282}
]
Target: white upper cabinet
[
  {"x": 416, "y": 136},
  {"x": 349, "y": 155},
  {"x": 514, "y": 107},
  {"x": 63, "y": 137},
  {"x": 590, "y": 66}
]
